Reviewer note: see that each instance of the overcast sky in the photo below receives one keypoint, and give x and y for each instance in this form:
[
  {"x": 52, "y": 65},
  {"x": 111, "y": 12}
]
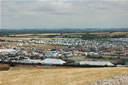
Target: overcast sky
[{"x": 64, "y": 14}]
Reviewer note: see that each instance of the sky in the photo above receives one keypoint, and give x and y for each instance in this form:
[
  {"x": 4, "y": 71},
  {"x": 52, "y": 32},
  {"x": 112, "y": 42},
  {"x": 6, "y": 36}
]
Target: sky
[{"x": 21, "y": 14}]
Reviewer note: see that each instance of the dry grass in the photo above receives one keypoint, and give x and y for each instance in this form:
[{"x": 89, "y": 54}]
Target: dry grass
[
  {"x": 100, "y": 33},
  {"x": 119, "y": 33},
  {"x": 4, "y": 67},
  {"x": 22, "y": 35},
  {"x": 36, "y": 38},
  {"x": 74, "y": 76},
  {"x": 16, "y": 38},
  {"x": 78, "y": 58},
  {"x": 49, "y": 34}
]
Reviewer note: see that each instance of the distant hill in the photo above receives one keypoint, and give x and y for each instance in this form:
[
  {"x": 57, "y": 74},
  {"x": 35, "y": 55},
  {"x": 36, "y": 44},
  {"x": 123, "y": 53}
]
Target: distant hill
[{"x": 65, "y": 30}]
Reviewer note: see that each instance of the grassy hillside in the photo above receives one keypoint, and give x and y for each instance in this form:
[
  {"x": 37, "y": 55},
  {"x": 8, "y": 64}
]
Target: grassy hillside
[{"x": 73, "y": 76}]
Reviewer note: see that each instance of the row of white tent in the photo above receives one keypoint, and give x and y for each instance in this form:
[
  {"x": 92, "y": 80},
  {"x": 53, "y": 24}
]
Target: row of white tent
[
  {"x": 61, "y": 62},
  {"x": 98, "y": 43},
  {"x": 96, "y": 63},
  {"x": 45, "y": 61},
  {"x": 8, "y": 51}
]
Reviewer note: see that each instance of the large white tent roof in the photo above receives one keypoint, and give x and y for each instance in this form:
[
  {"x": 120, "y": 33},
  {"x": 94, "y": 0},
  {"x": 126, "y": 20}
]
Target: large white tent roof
[
  {"x": 53, "y": 61},
  {"x": 7, "y": 50},
  {"x": 100, "y": 63},
  {"x": 30, "y": 61}
]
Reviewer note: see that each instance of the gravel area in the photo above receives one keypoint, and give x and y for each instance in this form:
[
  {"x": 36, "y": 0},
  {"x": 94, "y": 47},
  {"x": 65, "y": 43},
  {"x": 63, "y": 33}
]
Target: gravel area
[{"x": 117, "y": 80}]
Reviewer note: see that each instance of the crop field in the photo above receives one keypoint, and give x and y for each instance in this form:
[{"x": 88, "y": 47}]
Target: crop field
[
  {"x": 63, "y": 76},
  {"x": 29, "y": 38},
  {"x": 47, "y": 36},
  {"x": 20, "y": 38},
  {"x": 22, "y": 35},
  {"x": 119, "y": 33},
  {"x": 111, "y": 33}
]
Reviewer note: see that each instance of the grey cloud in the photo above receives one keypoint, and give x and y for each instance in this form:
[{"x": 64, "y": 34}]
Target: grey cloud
[
  {"x": 64, "y": 13},
  {"x": 32, "y": 7}
]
